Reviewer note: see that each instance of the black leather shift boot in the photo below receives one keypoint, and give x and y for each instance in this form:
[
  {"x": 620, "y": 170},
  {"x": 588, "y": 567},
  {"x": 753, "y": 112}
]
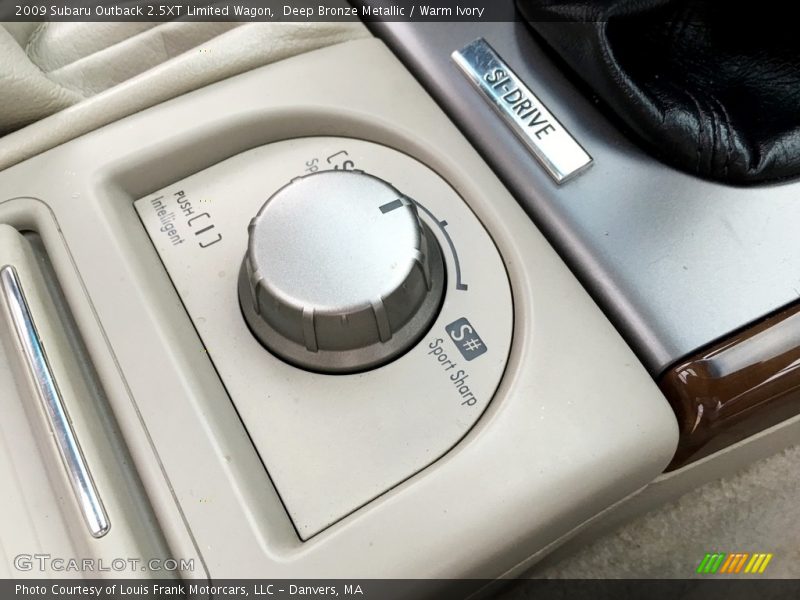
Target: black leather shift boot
[{"x": 710, "y": 87}]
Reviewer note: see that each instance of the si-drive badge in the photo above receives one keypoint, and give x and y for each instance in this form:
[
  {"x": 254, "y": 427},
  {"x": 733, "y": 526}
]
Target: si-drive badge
[
  {"x": 466, "y": 339},
  {"x": 560, "y": 154}
]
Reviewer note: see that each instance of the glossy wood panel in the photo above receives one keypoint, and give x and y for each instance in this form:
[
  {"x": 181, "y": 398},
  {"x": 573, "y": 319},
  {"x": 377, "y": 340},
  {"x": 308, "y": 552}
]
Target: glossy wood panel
[{"x": 736, "y": 388}]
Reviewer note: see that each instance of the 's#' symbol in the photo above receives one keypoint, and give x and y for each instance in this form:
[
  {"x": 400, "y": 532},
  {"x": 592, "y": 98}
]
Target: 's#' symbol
[{"x": 467, "y": 340}]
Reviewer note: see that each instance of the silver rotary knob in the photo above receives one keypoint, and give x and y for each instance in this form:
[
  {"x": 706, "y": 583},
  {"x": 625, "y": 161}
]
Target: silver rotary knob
[{"x": 340, "y": 274}]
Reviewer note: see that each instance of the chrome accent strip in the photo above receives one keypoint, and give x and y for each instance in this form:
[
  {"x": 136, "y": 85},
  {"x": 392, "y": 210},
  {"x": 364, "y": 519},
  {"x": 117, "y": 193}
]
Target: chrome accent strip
[
  {"x": 36, "y": 360},
  {"x": 523, "y": 112}
]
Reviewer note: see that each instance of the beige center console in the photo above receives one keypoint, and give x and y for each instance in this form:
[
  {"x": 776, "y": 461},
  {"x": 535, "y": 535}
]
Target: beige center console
[{"x": 324, "y": 340}]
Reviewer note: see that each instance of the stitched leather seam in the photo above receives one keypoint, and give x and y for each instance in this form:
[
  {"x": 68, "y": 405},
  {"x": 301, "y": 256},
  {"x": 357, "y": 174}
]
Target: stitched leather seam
[
  {"x": 715, "y": 134},
  {"x": 35, "y": 37},
  {"x": 700, "y": 126},
  {"x": 729, "y": 132}
]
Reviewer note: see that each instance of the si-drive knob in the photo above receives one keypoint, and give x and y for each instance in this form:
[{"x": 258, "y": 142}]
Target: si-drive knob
[{"x": 340, "y": 274}]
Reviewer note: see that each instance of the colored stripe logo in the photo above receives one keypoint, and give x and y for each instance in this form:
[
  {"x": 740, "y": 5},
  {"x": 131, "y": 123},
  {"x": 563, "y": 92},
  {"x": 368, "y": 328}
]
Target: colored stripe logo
[{"x": 734, "y": 563}]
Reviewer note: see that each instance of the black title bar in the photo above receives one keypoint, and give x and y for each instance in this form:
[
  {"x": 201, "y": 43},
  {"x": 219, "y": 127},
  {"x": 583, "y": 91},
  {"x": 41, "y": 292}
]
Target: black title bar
[{"x": 256, "y": 10}]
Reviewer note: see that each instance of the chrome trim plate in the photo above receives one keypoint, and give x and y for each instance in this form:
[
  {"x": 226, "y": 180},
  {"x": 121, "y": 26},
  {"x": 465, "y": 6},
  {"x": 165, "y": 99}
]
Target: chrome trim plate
[
  {"x": 522, "y": 111},
  {"x": 36, "y": 360}
]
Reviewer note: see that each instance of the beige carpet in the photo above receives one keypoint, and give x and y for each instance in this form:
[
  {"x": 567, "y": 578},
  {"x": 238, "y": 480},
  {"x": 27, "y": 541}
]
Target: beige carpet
[{"x": 757, "y": 510}]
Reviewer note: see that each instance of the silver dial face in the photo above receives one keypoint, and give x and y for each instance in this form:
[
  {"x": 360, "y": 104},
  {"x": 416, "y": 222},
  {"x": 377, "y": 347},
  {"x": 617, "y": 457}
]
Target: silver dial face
[{"x": 340, "y": 273}]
